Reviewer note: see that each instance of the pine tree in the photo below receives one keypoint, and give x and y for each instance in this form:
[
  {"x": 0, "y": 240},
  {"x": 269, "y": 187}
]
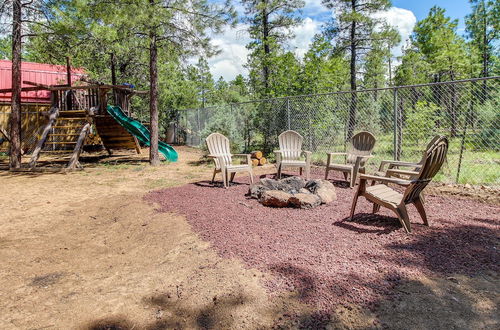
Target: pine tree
[
  {"x": 353, "y": 30},
  {"x": 270, "y": 23}
]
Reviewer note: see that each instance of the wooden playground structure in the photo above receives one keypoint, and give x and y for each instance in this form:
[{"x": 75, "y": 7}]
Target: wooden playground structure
[{"x": 77, "y": 117}]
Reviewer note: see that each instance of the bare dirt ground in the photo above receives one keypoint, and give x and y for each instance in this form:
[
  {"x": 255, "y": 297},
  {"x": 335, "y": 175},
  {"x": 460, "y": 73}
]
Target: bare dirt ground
[{"x": 84, "y": 250}]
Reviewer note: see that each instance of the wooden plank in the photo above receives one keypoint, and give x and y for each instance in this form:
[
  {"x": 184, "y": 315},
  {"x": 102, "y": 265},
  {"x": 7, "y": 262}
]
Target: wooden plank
[
  {"x": 54, "y": 112},
  {"x": 73, "y": 162},
  {"x": 4, "y": 133}
]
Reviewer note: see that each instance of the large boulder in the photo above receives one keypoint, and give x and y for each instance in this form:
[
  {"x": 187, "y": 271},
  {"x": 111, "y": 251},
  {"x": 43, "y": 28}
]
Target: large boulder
[
  {"x": 324, "y": 189},
  {"x": 275, "y": 198},
  {"x": 305, "y": 201}
]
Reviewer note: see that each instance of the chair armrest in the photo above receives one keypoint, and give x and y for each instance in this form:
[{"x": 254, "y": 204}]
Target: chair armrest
[
  {"x": 307, "y": 154},
  {"x": 397, "y": 171},
  {"x": 336, "y": 153},
  {"x": 248, "y": 156},
  {"x": 396, "y": 163},
  {"x": 384, "y": 179},
  {"x": 222, "y": 163}
]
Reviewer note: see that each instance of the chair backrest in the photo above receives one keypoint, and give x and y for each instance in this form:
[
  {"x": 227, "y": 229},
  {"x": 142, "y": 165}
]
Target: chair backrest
[
  {"x": 361, "y": 144},
  {"x": 218, "y": 145},
  {"x": 290, "y": 145},
  {"x": 434, "y": 159},
  {"x": 435, "y": 140}
]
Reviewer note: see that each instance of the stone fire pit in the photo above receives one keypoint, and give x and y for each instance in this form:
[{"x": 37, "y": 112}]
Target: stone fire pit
[{"x": 293, "y": 192}]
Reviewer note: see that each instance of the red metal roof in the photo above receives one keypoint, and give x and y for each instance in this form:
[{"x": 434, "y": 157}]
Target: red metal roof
[{"x": 46, "y": 74}]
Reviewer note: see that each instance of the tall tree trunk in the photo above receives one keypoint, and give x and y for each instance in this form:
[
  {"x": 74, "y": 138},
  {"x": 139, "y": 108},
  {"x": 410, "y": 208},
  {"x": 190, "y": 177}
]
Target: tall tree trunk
[
  {"x": 154, "y": 158},
  {"x": 485, "y": 54},
  {"x": 267, "y": 49},
  {"x": 354, "y": 97},
  {"x": 15, "y": 117}
]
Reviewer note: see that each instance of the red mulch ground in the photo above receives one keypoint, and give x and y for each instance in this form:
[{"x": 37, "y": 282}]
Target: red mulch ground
[{"x": 330, "y": 260}]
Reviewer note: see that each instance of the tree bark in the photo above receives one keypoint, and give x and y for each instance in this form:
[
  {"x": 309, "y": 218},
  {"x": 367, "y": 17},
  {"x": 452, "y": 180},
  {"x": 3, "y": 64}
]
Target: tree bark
[
  {"x": 15, "y": 117},
  {"x": 354, "y": 97},
  {"x": 154, "y": 158},
  {"x": 267, "y": 49}
]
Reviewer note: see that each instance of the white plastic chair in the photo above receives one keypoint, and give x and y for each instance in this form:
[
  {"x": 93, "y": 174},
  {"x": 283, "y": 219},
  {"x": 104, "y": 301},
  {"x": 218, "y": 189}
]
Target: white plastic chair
[
  {"x": 290, "y": 153},
  {"x": 220, "y": 152}
]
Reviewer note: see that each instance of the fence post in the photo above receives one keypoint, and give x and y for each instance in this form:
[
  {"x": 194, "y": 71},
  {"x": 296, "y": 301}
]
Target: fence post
[
  {"x": 464, "y": 133},
  {"x": 395, "y": 124},
  {"x": 288, "y": 112},
  {"x": 198, "y": 134}
]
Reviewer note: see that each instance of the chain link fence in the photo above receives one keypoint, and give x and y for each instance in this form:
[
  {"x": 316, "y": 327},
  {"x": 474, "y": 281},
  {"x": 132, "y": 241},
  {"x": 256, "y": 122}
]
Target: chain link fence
[{"x": 402, "y": 118}]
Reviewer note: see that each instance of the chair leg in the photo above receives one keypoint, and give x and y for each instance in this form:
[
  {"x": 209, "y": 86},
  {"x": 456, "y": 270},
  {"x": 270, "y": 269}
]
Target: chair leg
[
  {"x": 403, "y": 217},
  {"x": 376, "y": 208},
  {"x": 308, "y": 172},
  {"x": 326, "y": 173},
  {"x": 232, "y": 176},
  {"x": 353, "y": 178},
  {"x": 345, "y": 175},
  {"x": 213, "y": 176},
  {"x": 300, "y": 171},
  {"x": 250, "y": 172},
  {"x": 420, "y": 208},
  {"x": 278, "y": 174},
  {"x": 224, "y": 178},
  {"x": 354, "y": 202}
]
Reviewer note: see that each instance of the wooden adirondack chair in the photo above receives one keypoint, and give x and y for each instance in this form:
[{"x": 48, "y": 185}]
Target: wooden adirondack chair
[
  {"x": 218, "y": 146},
  {"x": 290, "y": 153},
  {"x": 359, "y": 150},
  {"x": 382, "y": 195},
  {"x": 394, "y": 166}
]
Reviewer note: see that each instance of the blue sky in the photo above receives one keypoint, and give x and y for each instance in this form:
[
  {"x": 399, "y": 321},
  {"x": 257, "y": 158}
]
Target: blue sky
[
  {"x": 403, "y": 16},
  {"x": 454, "y": 8}
]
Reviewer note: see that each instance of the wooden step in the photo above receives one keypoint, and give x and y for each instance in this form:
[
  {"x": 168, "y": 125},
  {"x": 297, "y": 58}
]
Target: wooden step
[
  {"x": 60, "y": 142},
  {"x": 66, "y": 126},
  {"x": 63, "y": 134},
  {"x": 56, "y": 151},
  {"x": 71, "y": 118}
]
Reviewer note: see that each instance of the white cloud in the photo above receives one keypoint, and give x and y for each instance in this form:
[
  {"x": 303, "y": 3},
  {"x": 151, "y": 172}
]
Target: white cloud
[
  {"x": 233, "y": 53},
  {"x": 402, "y": 20},
  {"x": 232, "y": 42},
  {"x": 304, "y": 34}
]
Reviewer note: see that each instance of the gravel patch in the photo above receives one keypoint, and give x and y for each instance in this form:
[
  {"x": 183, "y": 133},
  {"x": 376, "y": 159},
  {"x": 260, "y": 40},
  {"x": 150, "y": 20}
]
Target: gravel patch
[{"x": 328, "y": 259}]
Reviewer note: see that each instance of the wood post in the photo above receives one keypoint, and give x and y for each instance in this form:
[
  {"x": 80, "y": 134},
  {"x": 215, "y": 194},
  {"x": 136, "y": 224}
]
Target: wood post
[
  {"x": 53, "y": 113},
  {"x": 73, "y": 161}
]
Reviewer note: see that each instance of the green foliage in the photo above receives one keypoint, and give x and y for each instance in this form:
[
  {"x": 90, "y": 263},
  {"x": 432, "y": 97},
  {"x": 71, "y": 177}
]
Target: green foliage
[
  {"x": 488, "y": 120},
  {"x": 436, "y": 52},
  {"x": 483, "y": 27},
  {"x": 222, "y": 121},
  {"x": 421, "y": 121},
  {"x": 6, "y": 48}
]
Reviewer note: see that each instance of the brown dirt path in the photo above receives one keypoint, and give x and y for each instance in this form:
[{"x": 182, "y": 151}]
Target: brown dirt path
[{"x": 82, "y": 247}]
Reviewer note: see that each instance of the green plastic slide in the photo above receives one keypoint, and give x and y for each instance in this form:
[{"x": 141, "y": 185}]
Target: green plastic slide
[{"x": 140, "y": 131}]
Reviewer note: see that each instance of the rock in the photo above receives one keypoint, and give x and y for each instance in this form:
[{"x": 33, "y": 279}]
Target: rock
[
  {"x": 324, "y": 189},
  {"x": 304, "y": 191},
  {"x": 294, "y": 183},
  {"x": 275, "y": 198},
  {"x": 305, "y": 201},
  {"x": 256, "y": 190}
]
